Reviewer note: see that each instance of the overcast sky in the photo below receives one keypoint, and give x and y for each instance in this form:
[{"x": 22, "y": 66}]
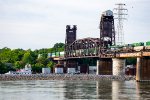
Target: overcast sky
[{"x": 39, "y": 24}]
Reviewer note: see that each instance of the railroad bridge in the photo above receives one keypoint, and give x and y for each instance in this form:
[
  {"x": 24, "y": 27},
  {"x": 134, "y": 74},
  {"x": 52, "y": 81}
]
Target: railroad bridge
[{"x": 110, "y": 61}]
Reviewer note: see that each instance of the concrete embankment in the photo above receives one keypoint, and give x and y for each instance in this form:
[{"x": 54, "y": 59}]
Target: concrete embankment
[{"x": 4, "y": 77}]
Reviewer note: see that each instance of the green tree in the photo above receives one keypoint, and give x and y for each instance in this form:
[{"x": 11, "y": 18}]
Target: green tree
[
  {"x": 34, "y": 56},
  {"x": 37, "y": 68},
  {"x": 27, "y": 58},
  {"x": 131, "y": 61},
  {"x": 42, "y": 60},
  {"x": 19, "y": 57},
  {"x": 59, "y": 47},
  {"x": 16, "y": 55},
  {"x": 3, "y": 68},
  {"x": 19, "y": 53},
  {"x": 50, "y": 64},
  {"x": 5, "y": 55},
  {"x": 19, "y": 65}
]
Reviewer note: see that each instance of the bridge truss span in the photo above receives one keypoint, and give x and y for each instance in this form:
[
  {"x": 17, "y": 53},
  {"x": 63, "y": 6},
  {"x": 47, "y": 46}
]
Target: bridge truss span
[{"x": 83, "y": 47}]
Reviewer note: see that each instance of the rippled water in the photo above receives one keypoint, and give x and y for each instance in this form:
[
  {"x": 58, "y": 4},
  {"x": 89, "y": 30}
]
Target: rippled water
[{"x": 62, "y": 90}]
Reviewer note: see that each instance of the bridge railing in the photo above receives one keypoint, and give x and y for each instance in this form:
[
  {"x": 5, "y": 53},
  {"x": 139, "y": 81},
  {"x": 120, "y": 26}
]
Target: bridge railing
[{"x": 82, "y": 52}]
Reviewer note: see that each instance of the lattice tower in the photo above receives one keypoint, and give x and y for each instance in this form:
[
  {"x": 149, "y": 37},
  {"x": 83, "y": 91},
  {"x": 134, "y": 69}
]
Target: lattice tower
[{"x": 120, "y": 15}]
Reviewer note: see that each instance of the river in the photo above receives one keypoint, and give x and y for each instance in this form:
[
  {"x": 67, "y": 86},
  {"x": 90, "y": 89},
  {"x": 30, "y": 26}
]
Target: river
[{"x": 62, "y": 90}]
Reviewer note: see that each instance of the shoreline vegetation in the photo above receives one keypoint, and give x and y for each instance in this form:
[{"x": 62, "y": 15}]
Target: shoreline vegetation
[
  {"x": 16, "y": 59},
  {"x": 4, "y": 77}
]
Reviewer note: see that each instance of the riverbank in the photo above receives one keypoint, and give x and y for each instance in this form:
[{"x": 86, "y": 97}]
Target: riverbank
[{"x": 4, "y": 77}]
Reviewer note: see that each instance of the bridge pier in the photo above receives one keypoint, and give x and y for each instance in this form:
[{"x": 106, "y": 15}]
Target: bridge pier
[
  {"x": 118, "y": 66},
  {"x": 143, "y": 69},
  {"x": 138, "y": 69},
  {"x": 104, "y": 66},
  {"x": 70, "y": 64},
  {"x": 97, "y": 67},
  {"x": 84, "y": 68}
]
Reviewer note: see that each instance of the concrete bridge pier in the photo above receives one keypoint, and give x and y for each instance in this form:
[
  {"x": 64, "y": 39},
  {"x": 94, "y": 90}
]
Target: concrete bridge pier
[
  {"x": 65, "y": 63},
  {"x": 143, "y": 69},
  {"x": 138, "y": 69},
  {"x": 104, "y": 66},
  {"x": 118, "y": 66},
  {"x": 97, "y": 67}
]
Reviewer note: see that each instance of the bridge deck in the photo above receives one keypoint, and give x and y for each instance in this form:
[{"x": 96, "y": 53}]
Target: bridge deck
[{"x": 114, "y": 55}]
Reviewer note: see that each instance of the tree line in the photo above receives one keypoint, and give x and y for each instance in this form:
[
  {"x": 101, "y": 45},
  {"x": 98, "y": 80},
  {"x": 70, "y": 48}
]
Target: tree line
[{"x": 15, "y": 59}]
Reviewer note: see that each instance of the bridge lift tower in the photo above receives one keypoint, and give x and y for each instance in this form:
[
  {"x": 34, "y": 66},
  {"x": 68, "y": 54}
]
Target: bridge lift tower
[
  {"x": 70, "y": 37},
  {"x": 107, "y": 31}
]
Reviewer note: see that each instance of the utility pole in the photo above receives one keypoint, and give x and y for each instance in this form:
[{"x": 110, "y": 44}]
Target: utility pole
[{"x": 120, "y": 13}]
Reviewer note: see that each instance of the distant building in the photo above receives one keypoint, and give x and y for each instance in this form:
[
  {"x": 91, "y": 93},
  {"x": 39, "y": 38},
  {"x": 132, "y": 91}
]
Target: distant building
[{"x": 26, "y": 70}]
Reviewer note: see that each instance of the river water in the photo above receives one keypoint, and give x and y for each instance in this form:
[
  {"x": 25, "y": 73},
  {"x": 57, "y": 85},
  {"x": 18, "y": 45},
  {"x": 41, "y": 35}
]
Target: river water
[{"x": 63, "y": 90}]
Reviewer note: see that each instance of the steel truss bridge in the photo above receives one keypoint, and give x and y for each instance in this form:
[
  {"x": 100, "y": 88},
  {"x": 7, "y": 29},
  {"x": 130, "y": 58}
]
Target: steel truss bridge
[
  {"x": 90, "y": 48},
  {"x": 109, "y": 61}
]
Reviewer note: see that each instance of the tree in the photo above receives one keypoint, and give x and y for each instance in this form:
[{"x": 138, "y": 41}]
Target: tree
[
  {"x": 19, "y": 65},
  {"x": 19, "y": 57},
  {"x": 19, "y": 53},
  {"x": 42, "y": 60},
  {"x": 34, "y": 56},
  {"x": 16, "y": 55},
  {"x": 59, "y": 45},
  {"x": 50, "y": 64},
  {"x": 3, "y": 68},
  {"x": 37, "y": 68},
  {"x": 131, "y": 61},
  {"x": 5, "y": 55},
  {"x": 27, "y": 58}
]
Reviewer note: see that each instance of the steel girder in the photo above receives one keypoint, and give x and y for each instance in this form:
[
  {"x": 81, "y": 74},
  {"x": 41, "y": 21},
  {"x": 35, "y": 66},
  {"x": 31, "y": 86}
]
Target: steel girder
[{"x": 83, "y": 47}]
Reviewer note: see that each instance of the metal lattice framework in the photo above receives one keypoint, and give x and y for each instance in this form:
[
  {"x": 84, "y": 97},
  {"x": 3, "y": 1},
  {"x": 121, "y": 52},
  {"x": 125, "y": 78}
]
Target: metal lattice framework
[
  {"x": 107, "y": 31},
  {"x": 70, "y": 34},
  {"x": 91, "y": 47},
  {"x": 120, "y": 13},
  {"x": 83, "y": 47}
]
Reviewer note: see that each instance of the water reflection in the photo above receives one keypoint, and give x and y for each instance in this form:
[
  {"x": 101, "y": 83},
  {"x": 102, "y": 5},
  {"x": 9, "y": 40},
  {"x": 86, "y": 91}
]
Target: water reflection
[
  {"x": 80, "y": 89},
  {"x": 125, "y": 90},
  {"x": 104, "y": 89},
  {"x": 143, "y": 90},
  {"x": 112, "y": 90},
  {"x": 62, "y": 90},
  {"x": 31, "y": 90}
]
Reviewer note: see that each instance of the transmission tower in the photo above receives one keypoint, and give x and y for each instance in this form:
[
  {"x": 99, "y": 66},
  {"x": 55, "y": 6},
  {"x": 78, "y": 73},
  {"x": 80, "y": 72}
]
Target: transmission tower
[{"x": 120, "y": 13}]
